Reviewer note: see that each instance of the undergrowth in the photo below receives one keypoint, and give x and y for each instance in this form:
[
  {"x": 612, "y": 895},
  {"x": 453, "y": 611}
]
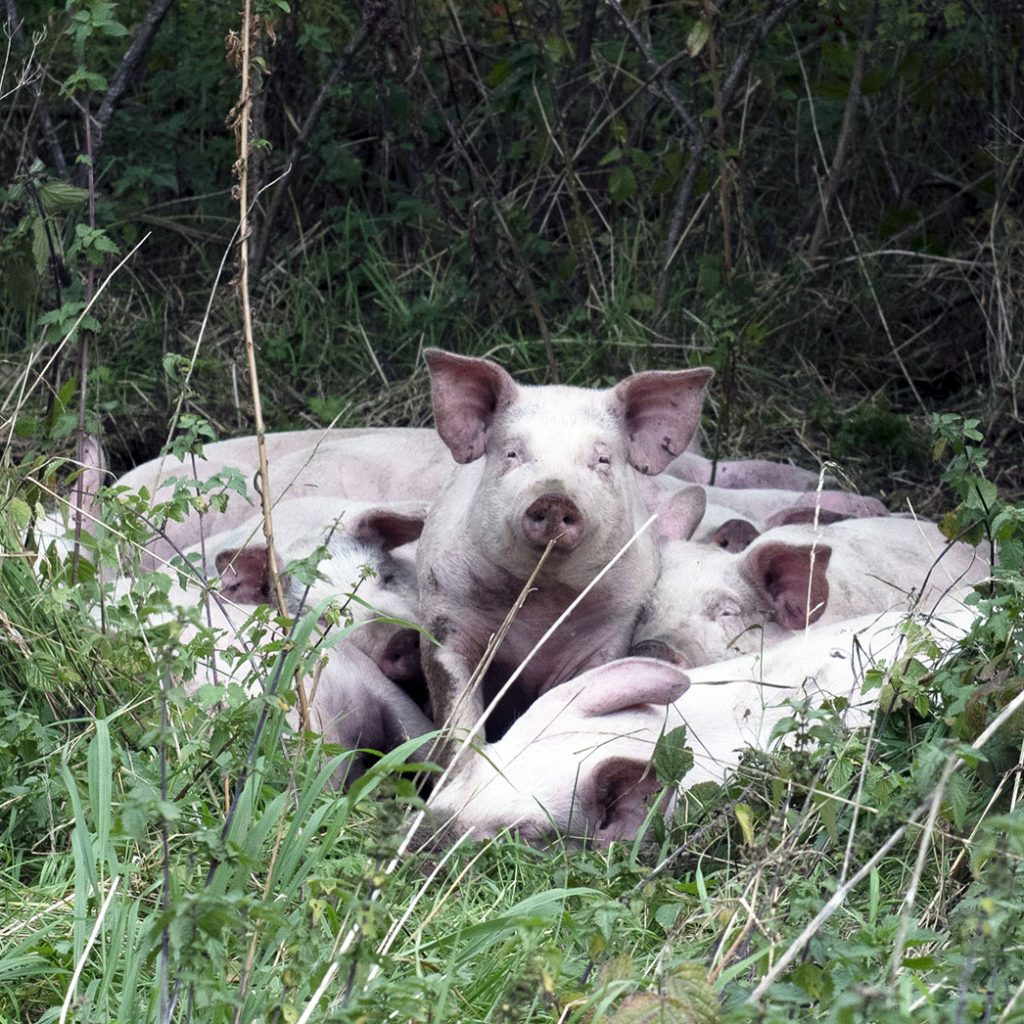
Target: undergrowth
[
  {"x": 567, "y": 188},
  {"x": 184, "y": 857}
]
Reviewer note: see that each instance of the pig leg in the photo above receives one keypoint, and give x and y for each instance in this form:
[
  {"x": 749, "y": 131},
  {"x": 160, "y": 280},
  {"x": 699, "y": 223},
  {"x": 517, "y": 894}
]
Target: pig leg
[{"x": 456, "y": 706}]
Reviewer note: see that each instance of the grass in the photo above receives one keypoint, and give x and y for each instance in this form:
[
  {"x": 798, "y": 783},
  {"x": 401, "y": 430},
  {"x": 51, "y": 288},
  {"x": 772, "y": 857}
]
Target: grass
[{"x": 159, "y": 862}]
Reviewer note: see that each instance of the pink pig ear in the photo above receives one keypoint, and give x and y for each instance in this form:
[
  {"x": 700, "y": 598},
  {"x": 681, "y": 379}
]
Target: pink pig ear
[
  {"x": 796, "y": 589},
  {"x": 385, "y": 528},
  {"x": 661, "y": 409},
  {"x": 682, "y": 514},
  {"x": 245, "y": 574},
  {"x": 467, "y": 392},
  {"x": 625, "y": 683},
  {"x": 614, "y": 798}
]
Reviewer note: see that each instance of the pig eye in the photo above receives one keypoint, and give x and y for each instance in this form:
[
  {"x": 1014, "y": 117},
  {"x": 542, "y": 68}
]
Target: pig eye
[{"x": 511, "y": 453}]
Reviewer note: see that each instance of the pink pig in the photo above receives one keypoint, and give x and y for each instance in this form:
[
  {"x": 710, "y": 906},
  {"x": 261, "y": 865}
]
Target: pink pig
[
  {"x": 577, "y": 765},
  {"x": 709, "y": 603},
  {"x": 363, "y": 464},
  {"x": 540, "y": 464}
]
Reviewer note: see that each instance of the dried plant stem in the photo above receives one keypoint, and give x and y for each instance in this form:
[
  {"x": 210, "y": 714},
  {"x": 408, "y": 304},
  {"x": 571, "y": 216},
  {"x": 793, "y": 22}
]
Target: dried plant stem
[{"x": 242, "y": 126}]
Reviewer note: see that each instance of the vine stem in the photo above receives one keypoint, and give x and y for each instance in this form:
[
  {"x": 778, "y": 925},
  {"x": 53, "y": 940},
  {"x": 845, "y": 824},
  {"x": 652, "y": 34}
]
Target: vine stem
[{"x": 243, "y": 125}]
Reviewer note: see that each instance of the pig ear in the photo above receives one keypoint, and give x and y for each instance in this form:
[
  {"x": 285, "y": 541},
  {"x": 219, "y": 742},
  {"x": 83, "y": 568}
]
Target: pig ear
[
  {"x": 245, "y": 574},
  {"x": 628, "y": 682},
  {"x": 661, "y": 409},
  {"x": 386, "y": 529},
  {"x": 798, "y": 516},
  {"x": 617, "y": 797},
  {"x": 734, "y": 535},
  {"x": 682, "y": 514},
  {"x": 466, "y": 392},
  {"x": 796, "y": 588}
]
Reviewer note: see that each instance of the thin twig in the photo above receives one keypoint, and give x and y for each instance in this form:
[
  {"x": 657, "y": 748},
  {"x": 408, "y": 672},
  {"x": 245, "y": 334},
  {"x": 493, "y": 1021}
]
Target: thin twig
[
  {"x": 300, "y": 144},
  {"x": 845, "y": 132}
]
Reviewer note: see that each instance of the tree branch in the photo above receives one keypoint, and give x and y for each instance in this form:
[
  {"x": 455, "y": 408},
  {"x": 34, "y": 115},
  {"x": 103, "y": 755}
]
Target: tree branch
[
  {"x": 845, "y": 131},
  {"x": 134, "y": 56},
  {"x": 56, "y": 154}
]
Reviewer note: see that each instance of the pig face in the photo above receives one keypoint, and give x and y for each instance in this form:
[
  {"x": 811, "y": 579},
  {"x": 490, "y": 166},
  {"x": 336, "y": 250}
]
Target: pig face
[
  {"x": 709, "y": 604},
  {"x": 357, "y": 537},
  {"x": 576, "y": 765},
  {"x": 559, "y": 463}
]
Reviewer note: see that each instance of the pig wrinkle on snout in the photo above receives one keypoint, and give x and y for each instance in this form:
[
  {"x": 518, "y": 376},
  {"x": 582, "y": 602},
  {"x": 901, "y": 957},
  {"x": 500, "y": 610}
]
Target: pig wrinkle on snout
[
  {"x": 577, "y": 765},
  {"x": 540, "y": 464}
]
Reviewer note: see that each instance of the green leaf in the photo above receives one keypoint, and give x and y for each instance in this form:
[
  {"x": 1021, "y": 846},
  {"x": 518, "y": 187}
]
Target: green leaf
[
  {"x": 672, "y": 757},
  {"x": 622, "y": 184},
  {"x": 745, "y": 818},
  {"x": 697, "y": 37},
  {"x": 57, "y": 196}
]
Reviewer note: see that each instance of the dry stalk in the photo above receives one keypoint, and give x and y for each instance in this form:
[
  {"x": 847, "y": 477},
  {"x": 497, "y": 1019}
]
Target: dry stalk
[{"x": 241, "y": 50}]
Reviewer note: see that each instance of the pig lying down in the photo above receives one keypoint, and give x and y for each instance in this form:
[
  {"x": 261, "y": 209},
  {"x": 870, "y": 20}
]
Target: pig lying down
[
  {"x": 709, "y": 603},
  {"x": 539, "y": 465},
  {"x": 577, "y": 765},
  {"x": 351, "y": 703},
  {"x": 353, "y": 697},
  {"x": 354, "y": 537},
  {"x": 385, "y": 464}
]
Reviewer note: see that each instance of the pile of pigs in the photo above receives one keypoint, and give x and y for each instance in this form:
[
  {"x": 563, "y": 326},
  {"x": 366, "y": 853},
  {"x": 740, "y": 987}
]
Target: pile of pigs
[{"x": 575, "y": 574}]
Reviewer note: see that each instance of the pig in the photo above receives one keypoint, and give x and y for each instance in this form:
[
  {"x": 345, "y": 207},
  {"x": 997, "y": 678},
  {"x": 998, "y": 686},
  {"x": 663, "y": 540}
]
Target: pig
[
  {"x": 355, "y": 534},
  {"x": 362, "y": 464},
  {"x": 742, "y": 473},
  {"x": 753, "y": 510},
  {"x": 537, "y": 465},
  {"x": 351, "y": 702},
  {"x": 576, "y": 765},
  {"x": 709, "y": 603}
]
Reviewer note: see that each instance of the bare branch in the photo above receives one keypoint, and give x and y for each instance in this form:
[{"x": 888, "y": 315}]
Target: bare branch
[
  {"x": 302, "y": 140},
  {"x": 134, "y": 56},
  {"x": 845, "y": 131}
]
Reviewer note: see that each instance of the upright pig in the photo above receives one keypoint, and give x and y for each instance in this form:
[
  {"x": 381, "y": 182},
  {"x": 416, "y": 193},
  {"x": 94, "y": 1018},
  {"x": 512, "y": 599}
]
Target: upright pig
[{"x": 540, "y": 464}]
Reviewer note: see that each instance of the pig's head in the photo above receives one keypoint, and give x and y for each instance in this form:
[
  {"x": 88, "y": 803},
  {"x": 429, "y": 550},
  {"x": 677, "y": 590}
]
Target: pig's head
[
  {"x": 575, "y": 766},
  {"x": 364, "y": 537},
  {"x": 559, "y": 463},
  {"x": 709, "y": 604}
]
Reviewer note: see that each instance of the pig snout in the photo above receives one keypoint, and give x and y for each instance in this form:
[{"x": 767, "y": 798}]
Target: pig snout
[
  {"x": 554, "y": 517},
  {"x": 657, "y": 649},
  {"x": 400, "y": 661}
]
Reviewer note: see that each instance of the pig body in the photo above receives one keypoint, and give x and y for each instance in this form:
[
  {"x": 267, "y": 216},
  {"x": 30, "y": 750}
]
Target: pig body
[
  {"x": 577, "y": 765},
  {"x": 539, "y": 464},
  {"x": 709, "y": 603},
  {"x": 759, "y": 508},
  {"x": 381, "y": 464},
  {"x": 351, "y": 702},
  {"x": 741, "y": 474}
]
